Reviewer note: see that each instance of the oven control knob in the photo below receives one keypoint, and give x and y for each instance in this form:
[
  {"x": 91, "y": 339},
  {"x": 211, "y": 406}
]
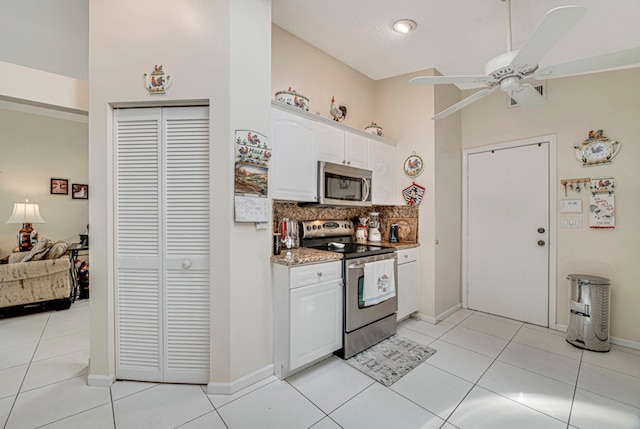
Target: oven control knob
[
  {"x": 319, "y": 227},
  {"x": 314, "y": 227},
  {"x": 308, "y": 228}
]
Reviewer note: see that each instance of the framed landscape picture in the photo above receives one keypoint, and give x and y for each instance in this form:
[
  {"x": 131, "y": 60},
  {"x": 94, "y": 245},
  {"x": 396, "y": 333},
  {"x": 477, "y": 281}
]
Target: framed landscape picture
[
  {"x": 59, "y": 186},
  {"x": 79, "y": 191}
]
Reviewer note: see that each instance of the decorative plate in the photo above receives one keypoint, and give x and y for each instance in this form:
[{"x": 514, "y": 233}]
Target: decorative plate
[
  {"x": 596, "y": 150},
  {"x": 413, "y": 165}
]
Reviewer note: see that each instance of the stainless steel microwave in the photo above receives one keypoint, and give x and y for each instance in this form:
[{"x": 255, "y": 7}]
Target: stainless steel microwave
[{"x": 342, "y": 185}]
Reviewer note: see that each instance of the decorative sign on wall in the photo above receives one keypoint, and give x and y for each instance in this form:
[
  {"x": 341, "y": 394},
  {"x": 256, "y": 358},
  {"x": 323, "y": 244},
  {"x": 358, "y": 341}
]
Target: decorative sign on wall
[
  {"x": 251, "y": 176},
  {"x": 157, "y": 82},
  {"x": 413, "y": 194},
  {"x": 601, "y": 203},
  {"x": 596, "y": 150}
]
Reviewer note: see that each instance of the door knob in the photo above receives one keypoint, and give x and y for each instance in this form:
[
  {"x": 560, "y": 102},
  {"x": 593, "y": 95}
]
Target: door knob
[
  {"x": 540, "y": 242},
  {"x": 186, "y": 264}
]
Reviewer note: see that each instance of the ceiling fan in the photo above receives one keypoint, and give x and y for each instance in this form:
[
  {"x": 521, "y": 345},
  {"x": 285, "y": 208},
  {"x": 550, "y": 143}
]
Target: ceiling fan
[{"x": 509, "y": 70}]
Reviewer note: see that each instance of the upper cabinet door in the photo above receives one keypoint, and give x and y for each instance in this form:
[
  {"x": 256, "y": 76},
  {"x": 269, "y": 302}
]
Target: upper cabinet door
[
  {"x": 381, "y": 162},
  {"x": 293, "y": 172},
  {"x": 329, "y": 142},
  {"x": 356, "y": 150}
]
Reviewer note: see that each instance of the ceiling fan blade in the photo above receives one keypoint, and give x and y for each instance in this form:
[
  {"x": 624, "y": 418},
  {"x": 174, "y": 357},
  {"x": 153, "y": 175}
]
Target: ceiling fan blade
[
  {"x": 555, "y": 24},
  {"x": 527, "y": 97},
  {"x": 590, "y": 64},
  {"x": 465, "y": 102},
  {"x": 437, "y": 80}
]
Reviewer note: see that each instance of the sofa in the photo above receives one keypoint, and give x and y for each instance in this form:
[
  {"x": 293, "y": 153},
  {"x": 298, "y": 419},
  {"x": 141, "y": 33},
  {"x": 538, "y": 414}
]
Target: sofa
[{"x": 39, "y": 279}]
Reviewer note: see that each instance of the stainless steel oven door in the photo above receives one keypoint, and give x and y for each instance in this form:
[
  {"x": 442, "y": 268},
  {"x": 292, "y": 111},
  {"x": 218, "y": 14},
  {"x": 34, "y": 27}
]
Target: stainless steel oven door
[{"x": 356, "y": 317}]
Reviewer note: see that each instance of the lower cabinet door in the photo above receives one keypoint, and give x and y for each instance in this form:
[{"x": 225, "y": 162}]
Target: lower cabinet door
[
  {"x": 316, "y": 322},
  {"x": 407, "y": 289}
]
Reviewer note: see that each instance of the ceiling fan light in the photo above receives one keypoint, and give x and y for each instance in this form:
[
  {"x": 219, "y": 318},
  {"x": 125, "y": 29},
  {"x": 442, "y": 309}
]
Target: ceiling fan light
[{"x": 404, "y": 26}]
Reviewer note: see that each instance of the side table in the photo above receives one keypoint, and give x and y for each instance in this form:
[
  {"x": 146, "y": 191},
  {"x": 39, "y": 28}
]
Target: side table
[{"x": 74, "y": 250}]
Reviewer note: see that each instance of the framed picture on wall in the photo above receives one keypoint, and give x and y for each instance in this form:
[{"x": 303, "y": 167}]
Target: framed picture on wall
[
  {"x": 79, "y": 192},
  {"x": 59, "y": 186}
]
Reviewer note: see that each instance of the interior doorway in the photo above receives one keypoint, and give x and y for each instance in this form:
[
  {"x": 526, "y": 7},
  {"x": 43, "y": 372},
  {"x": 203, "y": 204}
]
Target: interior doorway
[{"x": 509, "y": 230}]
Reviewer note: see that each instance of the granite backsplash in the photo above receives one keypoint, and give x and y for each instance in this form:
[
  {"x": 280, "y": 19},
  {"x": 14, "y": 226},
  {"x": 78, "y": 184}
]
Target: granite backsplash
[{"x": 300, "y": 213}]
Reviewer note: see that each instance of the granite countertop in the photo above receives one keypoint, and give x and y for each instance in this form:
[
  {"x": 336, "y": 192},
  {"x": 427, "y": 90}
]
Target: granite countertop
[{"x": 304, "y": 255}]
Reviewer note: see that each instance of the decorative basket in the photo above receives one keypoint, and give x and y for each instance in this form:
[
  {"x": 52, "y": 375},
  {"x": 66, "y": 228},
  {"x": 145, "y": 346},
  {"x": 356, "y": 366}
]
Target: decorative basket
[
  {"x": 293, "y": 98},
  {"x": 374, "y": 129}
]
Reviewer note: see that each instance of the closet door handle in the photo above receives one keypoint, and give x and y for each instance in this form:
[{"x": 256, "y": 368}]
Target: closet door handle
[{"x": 186, "y": 264}]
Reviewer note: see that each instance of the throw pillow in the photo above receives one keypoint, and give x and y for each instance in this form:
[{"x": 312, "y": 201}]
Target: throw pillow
[
  {"x": 57, "y": 249},
  {"x": 39, "y": 250}
]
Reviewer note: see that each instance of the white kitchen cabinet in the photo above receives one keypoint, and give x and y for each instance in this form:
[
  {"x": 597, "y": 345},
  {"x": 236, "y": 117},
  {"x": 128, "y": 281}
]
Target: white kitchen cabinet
[
  {"x": 308, "y": 314},
  {"x": 381, "y": 161},
  {"x": 356, "y": 150},
  {"x": 407, "y": 282},
  {"x": 293, "y": 169},
  {"x": 341, "y": 147}
]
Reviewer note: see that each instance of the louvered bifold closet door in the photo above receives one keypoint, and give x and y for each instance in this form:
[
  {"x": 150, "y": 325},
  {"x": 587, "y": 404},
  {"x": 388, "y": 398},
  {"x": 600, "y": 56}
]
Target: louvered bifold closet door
[
  {"x": 187, "y": 235},
  {"x": 163, "y": 281},
  {"x": 139, "y": 293}
]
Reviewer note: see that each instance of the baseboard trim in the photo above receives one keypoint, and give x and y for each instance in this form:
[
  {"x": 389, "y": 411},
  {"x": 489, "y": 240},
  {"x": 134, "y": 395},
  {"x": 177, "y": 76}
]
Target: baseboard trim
[
  {"x": 424, "y": 318},
  {"x": 218, "y": 388},
  {"x": 100, "y": 380},
  {"x": 561, "y": 328},
  {"x": 625, "y": 343},
  {"x": 613, "y": 340},
  {"x": 440, "y": 317}
]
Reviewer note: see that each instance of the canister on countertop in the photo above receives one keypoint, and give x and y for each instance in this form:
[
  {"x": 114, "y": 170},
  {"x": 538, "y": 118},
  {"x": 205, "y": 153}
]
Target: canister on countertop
[
  {"x": 276, "y": 243},
  {"x": 393, "y": 233}
]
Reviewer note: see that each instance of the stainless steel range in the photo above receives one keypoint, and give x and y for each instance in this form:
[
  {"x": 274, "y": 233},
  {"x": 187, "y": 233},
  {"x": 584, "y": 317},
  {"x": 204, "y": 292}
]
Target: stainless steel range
[{"x": 364, "y": 325}]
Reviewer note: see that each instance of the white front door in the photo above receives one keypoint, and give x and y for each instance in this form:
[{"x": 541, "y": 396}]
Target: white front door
[{"x": 507, "y": 262}]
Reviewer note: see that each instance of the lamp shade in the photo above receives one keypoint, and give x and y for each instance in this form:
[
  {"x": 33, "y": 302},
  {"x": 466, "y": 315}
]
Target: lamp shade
[{"x": 26, "y": 213}]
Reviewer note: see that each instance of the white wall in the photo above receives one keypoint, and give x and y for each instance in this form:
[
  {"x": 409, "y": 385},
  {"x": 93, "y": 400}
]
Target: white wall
[
  {"x": 217, "y": 51},
  {"x": 51, "y": 36},
  {"x": 448, "y": 204},
  {"x": 35, "y": 148},
  {"x": 576, "y": 105}
]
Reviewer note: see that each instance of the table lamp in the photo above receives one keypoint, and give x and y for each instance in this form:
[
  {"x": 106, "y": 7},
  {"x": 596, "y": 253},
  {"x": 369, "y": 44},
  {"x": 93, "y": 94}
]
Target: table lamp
[{"x": 26, "y": 213}]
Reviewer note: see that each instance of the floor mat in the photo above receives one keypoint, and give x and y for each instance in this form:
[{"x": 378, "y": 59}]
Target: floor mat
[{"x": 390, "y": 359}]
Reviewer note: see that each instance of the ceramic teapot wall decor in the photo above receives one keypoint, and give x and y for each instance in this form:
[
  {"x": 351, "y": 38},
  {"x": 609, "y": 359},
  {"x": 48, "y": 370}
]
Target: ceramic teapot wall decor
[{"x": 597, "y": 149}]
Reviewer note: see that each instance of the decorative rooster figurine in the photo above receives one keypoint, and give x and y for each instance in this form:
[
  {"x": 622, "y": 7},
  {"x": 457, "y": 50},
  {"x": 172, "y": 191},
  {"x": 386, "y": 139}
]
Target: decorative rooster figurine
[{"x": 337, "y": 112}]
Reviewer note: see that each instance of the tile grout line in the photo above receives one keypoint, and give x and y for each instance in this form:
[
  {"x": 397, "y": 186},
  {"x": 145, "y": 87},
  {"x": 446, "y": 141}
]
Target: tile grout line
[
  {"x": 479, "y": 378},
  {"x": 575, "y": 389},
  {"x": 26, "y": 372},
  {"x": 496, "y": 393}
]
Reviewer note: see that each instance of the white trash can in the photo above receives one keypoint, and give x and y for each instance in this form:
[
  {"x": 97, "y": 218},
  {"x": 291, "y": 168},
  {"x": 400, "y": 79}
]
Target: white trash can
[{"x": 589, "y": 312}]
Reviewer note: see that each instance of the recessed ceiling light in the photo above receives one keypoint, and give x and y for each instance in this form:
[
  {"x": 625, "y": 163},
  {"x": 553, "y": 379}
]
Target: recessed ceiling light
[{"x": 404, "y": 25}]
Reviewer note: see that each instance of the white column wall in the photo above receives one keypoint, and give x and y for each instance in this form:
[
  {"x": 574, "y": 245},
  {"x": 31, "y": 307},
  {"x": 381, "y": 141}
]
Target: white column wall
[{"x": 195, "y": 44}]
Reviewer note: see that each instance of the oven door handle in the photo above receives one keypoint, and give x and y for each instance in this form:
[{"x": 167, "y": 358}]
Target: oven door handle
[{"x": 356, "y": 266}]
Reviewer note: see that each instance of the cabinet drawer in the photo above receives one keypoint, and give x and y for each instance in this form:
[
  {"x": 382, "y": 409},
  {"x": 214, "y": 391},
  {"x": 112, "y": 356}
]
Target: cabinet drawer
[
  {"x": 314, "y": 274},
  {"x": 407, "y": 255}
]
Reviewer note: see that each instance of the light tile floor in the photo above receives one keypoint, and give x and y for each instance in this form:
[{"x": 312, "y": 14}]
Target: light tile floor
[{"x": 488, "y": 372}]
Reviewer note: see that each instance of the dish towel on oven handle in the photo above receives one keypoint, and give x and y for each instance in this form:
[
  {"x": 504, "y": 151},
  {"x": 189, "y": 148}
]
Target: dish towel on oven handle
[{"x": 379, "y": 282}]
